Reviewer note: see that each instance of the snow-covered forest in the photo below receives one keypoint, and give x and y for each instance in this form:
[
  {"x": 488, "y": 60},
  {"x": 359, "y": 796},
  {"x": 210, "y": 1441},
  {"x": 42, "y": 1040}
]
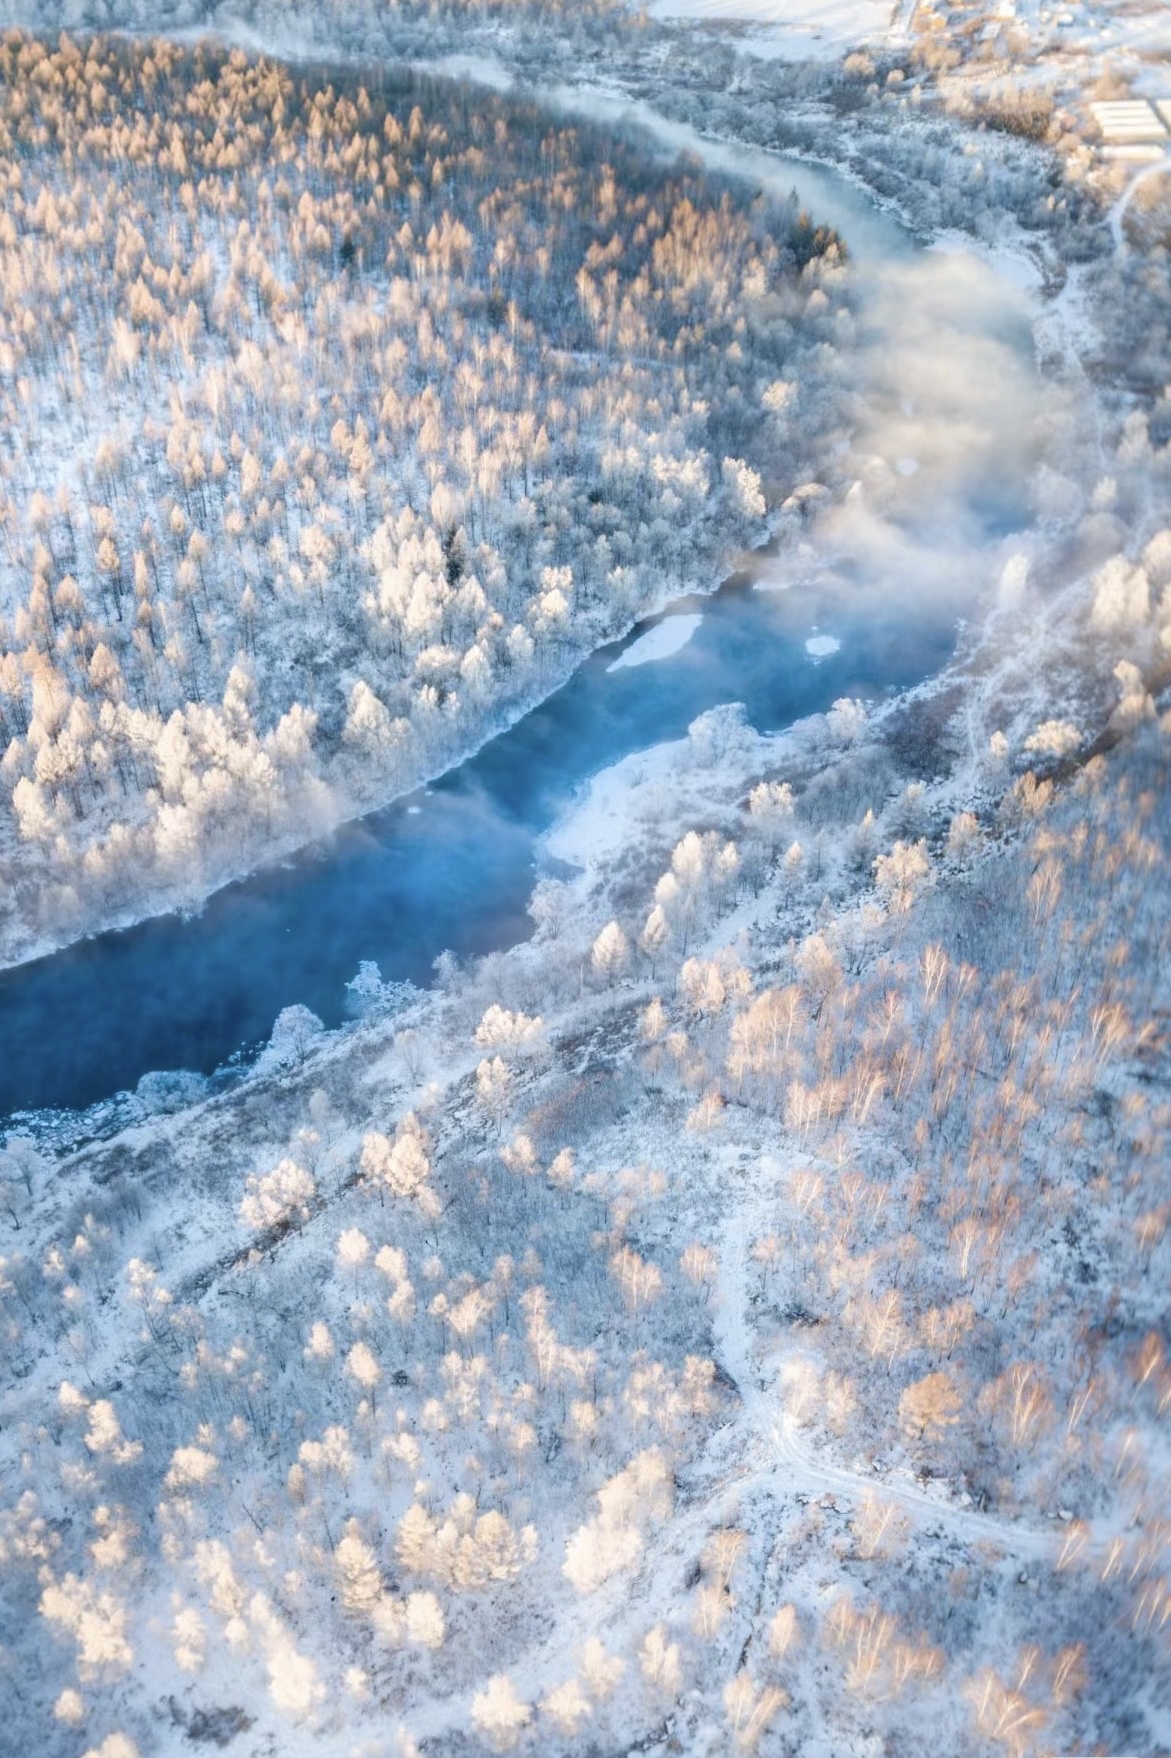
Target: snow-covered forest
[
  {"x": 735, "y": 1320},
  {"x": 340, "y": 419}
]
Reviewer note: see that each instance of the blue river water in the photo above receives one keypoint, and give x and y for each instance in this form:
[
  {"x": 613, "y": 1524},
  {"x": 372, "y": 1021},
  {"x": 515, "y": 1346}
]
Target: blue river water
[
  {"x": 449, "y": 867},
  {"x": 452, "y": 866}
]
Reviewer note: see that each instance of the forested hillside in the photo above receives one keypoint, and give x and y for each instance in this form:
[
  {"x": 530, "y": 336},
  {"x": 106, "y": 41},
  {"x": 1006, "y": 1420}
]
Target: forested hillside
[{"x": 340, "y": 417}]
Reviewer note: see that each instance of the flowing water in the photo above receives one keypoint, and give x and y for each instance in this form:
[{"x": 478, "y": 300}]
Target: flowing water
[{"x": 946, "y": 401}]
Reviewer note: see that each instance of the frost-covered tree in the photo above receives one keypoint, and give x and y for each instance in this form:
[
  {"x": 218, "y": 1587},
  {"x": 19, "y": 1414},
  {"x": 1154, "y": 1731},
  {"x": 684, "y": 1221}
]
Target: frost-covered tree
[
  {"x": 274, "y": 1199},
  {"x": 500, "y": 1714},
  {"x": 610, "y": 953}
]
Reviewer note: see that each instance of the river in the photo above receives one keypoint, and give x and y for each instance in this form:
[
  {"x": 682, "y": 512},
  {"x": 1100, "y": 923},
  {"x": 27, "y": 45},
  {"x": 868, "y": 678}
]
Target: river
[{"x": 946, "y": 404}]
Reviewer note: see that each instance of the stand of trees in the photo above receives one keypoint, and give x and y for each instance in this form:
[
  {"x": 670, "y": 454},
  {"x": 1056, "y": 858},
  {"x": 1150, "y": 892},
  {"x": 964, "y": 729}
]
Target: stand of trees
[{"x": 340, "y": 417}]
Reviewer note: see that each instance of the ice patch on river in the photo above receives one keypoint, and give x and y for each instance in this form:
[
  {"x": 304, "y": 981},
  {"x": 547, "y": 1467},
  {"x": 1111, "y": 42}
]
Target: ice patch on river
[
  {"x": 821, "y": 646},
  {"x": 665, "y": 639}
]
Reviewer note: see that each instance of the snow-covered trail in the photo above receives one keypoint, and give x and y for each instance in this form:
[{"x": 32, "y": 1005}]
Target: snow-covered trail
[
  {"x": 759, "y": 1450},
  {"x": 762, "y": 1420},
  {"x": 973, "y": 1527},
  {"x": 1117, "y": 216}
]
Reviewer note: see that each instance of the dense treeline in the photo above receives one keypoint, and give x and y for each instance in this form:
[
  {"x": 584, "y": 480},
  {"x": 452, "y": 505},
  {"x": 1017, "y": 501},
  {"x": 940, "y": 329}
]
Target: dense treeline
[
  {"x": 338, "y": 417},
  {"x": 952, "y": 141},
  {"x": 349, "y": 21}
]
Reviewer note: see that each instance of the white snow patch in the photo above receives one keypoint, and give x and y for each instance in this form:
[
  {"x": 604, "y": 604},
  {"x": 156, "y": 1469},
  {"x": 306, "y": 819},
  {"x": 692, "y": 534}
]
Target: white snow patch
[
  {"x": 798, "y": 28},
  {"x": 665, "y": 639},
  {"x": 599, "y": 821},
  {"x": 821, "y": 646},
  {"x": 631, "y": 800},
  {"x": 1009, "y": 258}
]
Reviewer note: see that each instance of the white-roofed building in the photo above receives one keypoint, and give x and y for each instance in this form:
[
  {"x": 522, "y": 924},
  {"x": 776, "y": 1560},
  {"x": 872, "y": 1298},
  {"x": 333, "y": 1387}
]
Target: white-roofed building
[{"x": 1129, "y": 122}]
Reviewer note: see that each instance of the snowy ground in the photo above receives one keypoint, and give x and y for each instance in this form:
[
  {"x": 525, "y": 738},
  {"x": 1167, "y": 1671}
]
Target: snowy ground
[{"x": 813, "y": 29}]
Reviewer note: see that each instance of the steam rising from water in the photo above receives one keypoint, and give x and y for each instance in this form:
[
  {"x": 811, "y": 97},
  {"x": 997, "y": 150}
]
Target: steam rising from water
[
  {"x": 950, "y": 422},
  {"x": 949, "y": 417}
]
